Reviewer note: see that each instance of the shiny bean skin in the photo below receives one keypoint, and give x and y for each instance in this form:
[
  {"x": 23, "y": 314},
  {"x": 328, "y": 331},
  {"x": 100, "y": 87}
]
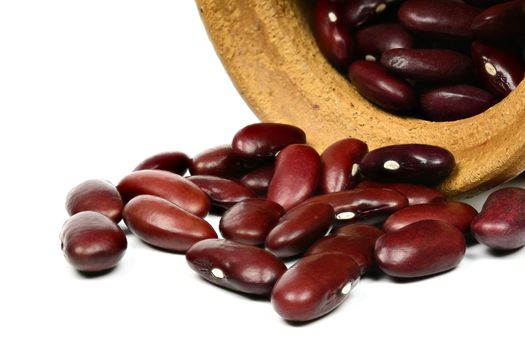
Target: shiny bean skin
[
  {"x": 457, "y": 214},
  {"x": 223, "y": 193},
  {"x": 370, "y": 205},
  {"x": 416, "y": 194},
  {"x": 358, "y": 230},
  {"x": 444, "y": 18},
  {"x": 258, "y": 180},
  {"x": 502, "y": 22},
  {"x": 340, "y": 165},
  {"x": 296, "y": 176},
  {"x": 381, "y": 87},
  {"x": 499, "y": 69},
  {"x": 169, "y": 186},
  {"x": 331, "y": 34},
  {"x": 501, "y": 222},
  {"x": 358, "y": 12},
  {"x": 420, "y": 249},
  {"x": 218, "y": 161},
  {"x": 92, "y": 242},
  {"x": 314, "y": 286},
  {"x": 250, "y": 221},
  {"x": 299, "y": 228},
  {"x": 266, "y": 139},
  {"x": 436, "y": 66},
  {"x": 372, "y": 41},
  {"x": 409, "y": 163},
  {"x": 165, "y": 225},
  {"x": 453, "y": 102},
  {"x": 235, "y": 266},
  {"x": 95, "y": 195},
  {"x": 175, "y": 162}
]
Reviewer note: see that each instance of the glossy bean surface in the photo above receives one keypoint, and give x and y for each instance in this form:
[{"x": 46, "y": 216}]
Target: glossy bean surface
[
  {"x": 381, "y": 87},
  {"x": 258, "y": 180},
  {"x": 420, "y": 249},
  {"x": 340, "y": 165},
  {"x": 410, "y": 163},
  {"x": 95, "y": 195},
  {"x": 299, "y": 228},
  {"x": 235, "y": 266},
  {"x": 175, "y": 162},
  {"x": 250, "y": 221},
  {"x": 314, "y": 286},
  {"x": 165, "y": 225},
  {"x": 296, "y": 175},
  {"x": 218, "y": 161},
  {"x": 416, "y": 194},
  {"x": 501, "y": 23},
  {"x": 501, "y": 222},
  {"x": 359, "y": 12},
  {"x": 223, "y": 193},
  {"x": 372, "y": 41},
  {"x": 92, "y": 242}
]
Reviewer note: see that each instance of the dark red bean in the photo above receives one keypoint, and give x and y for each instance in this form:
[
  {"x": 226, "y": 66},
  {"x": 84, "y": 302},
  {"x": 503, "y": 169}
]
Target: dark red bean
[
  {"x": 169, "y": 186},
  {"x": 299, "y": 228},
  {"x": 499, "y": 69},
  {"x": 420, "y": 249},
  {"x": 501, "y": 222},
  {"x": 175, "y": 162},
  {"x": 223, "y": 193},
  {"x": 416, "y": 194},
  {"x": 258, "y": 180},
  {"x": 444, "y": 18},
  {"x": 427, "y": 65},
  {"x": 358, "y": 230},
  {"x": 331, "y": 34},
  {"x": 165, "y": 225},
  {"x": 92, "y": 242},
  {"x": 370, "y": 205},
  {"x": 358, "y": 12},
  {"x": 218, "y": 161},
  {"x": 410, "y": 163},
  {"x": 95, "y": 195},
  {"x": 265, "y": 139},
  {"x": 379, "y": 86},
  {"x": 235, "y": 266},
  {"x": 454, "y": 102},
  {"x": 454, "y": 213},
  {"x": 372, "y": 41},
  {"x": 501, "y": 23},
  {"x": 340, "y": 165},
  {"x": 296, "y": 175},
  {"x": 314, "y": 286},
  {"x": 250, "y": 221}
]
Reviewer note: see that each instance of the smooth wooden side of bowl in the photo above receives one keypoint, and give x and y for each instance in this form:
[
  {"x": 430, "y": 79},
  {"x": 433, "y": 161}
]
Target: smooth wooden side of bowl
[{"x": 270, "y": 54}]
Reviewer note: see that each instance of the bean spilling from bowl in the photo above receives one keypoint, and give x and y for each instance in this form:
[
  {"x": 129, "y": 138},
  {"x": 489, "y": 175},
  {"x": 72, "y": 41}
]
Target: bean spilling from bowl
[
  {"x": 437, "y": 60},
  {"x": 332, "y": 217}
]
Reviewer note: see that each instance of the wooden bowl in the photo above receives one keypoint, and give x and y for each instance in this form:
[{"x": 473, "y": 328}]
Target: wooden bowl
[{"x": 270, "y": 54}]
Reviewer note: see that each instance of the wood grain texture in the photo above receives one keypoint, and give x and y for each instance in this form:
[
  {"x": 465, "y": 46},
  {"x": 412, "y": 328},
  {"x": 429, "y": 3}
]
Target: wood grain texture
[{"x": 271, "y": 56}]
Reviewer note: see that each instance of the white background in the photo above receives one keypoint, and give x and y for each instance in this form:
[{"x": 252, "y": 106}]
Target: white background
[{"x": 90, "y": 88}]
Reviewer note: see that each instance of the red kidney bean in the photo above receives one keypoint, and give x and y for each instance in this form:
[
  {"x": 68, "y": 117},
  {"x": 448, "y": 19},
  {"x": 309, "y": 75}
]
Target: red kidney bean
[
  {"x": 223, "y": 193},
  {"x": 454, "y": 213},
  {"x": 501, "y": 222},
  {"x": 250, "y": 221},
  {"x": 416, "y": 194},
  {"x": 314, "y": 286},
  {"x": 499, "y": 70},
  {"x": 258, "y": 180},
  {"x": 453, "y": 102},
  {"x": 438, "y": 18},
  {"x": 358, "y": 12},
  {"x": 371, "y": 205},
  {"x": 501, "y": 23},
  {"x": 379, "y": 86},
  {"x": 95, "y": 195},
  {"x": 331, "y": 35},
  {"x": 218, "y": 161},
  {"x": 165, "y": 225},
  {"x": 427, "y": 65},
  {"x": 420, "y": 249},
  {"x": 299, "y": 228},
  {"x": 296, "y": 175},
  {"x": 355, "y": 241},
  {"x": 266, "y": 139},
  {"x": 92, "y": 242},
  {"x": 340, "y": 165},
  {"x": 372, "y": 41},
  {"x": 411, "y": 163},
  {"x": 235, "y": 266},
  {"x": 175, "y": 162}
]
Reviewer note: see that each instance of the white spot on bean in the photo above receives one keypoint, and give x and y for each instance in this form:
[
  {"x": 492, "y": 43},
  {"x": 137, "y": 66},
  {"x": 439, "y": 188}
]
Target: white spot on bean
[
  {"x": 370, "y": 58},
  {"x": 346, "y": 215},
  {"x": 355, "y": 169},
  {"x": 391, "y": 165},
  {"x": 380, "y": 8},
  {"x": 332, "y": 17},
  {"x": 217, "y": 273},
  {"x": 489, "y": 68},
  {"x": 346, "y": 288}
]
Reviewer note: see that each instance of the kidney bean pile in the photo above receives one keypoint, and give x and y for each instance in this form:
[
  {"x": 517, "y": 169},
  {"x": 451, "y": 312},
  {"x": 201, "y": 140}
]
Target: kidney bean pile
[
  {"x": 439, "y": 60},
  {"x": 339, "y": 214}
]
